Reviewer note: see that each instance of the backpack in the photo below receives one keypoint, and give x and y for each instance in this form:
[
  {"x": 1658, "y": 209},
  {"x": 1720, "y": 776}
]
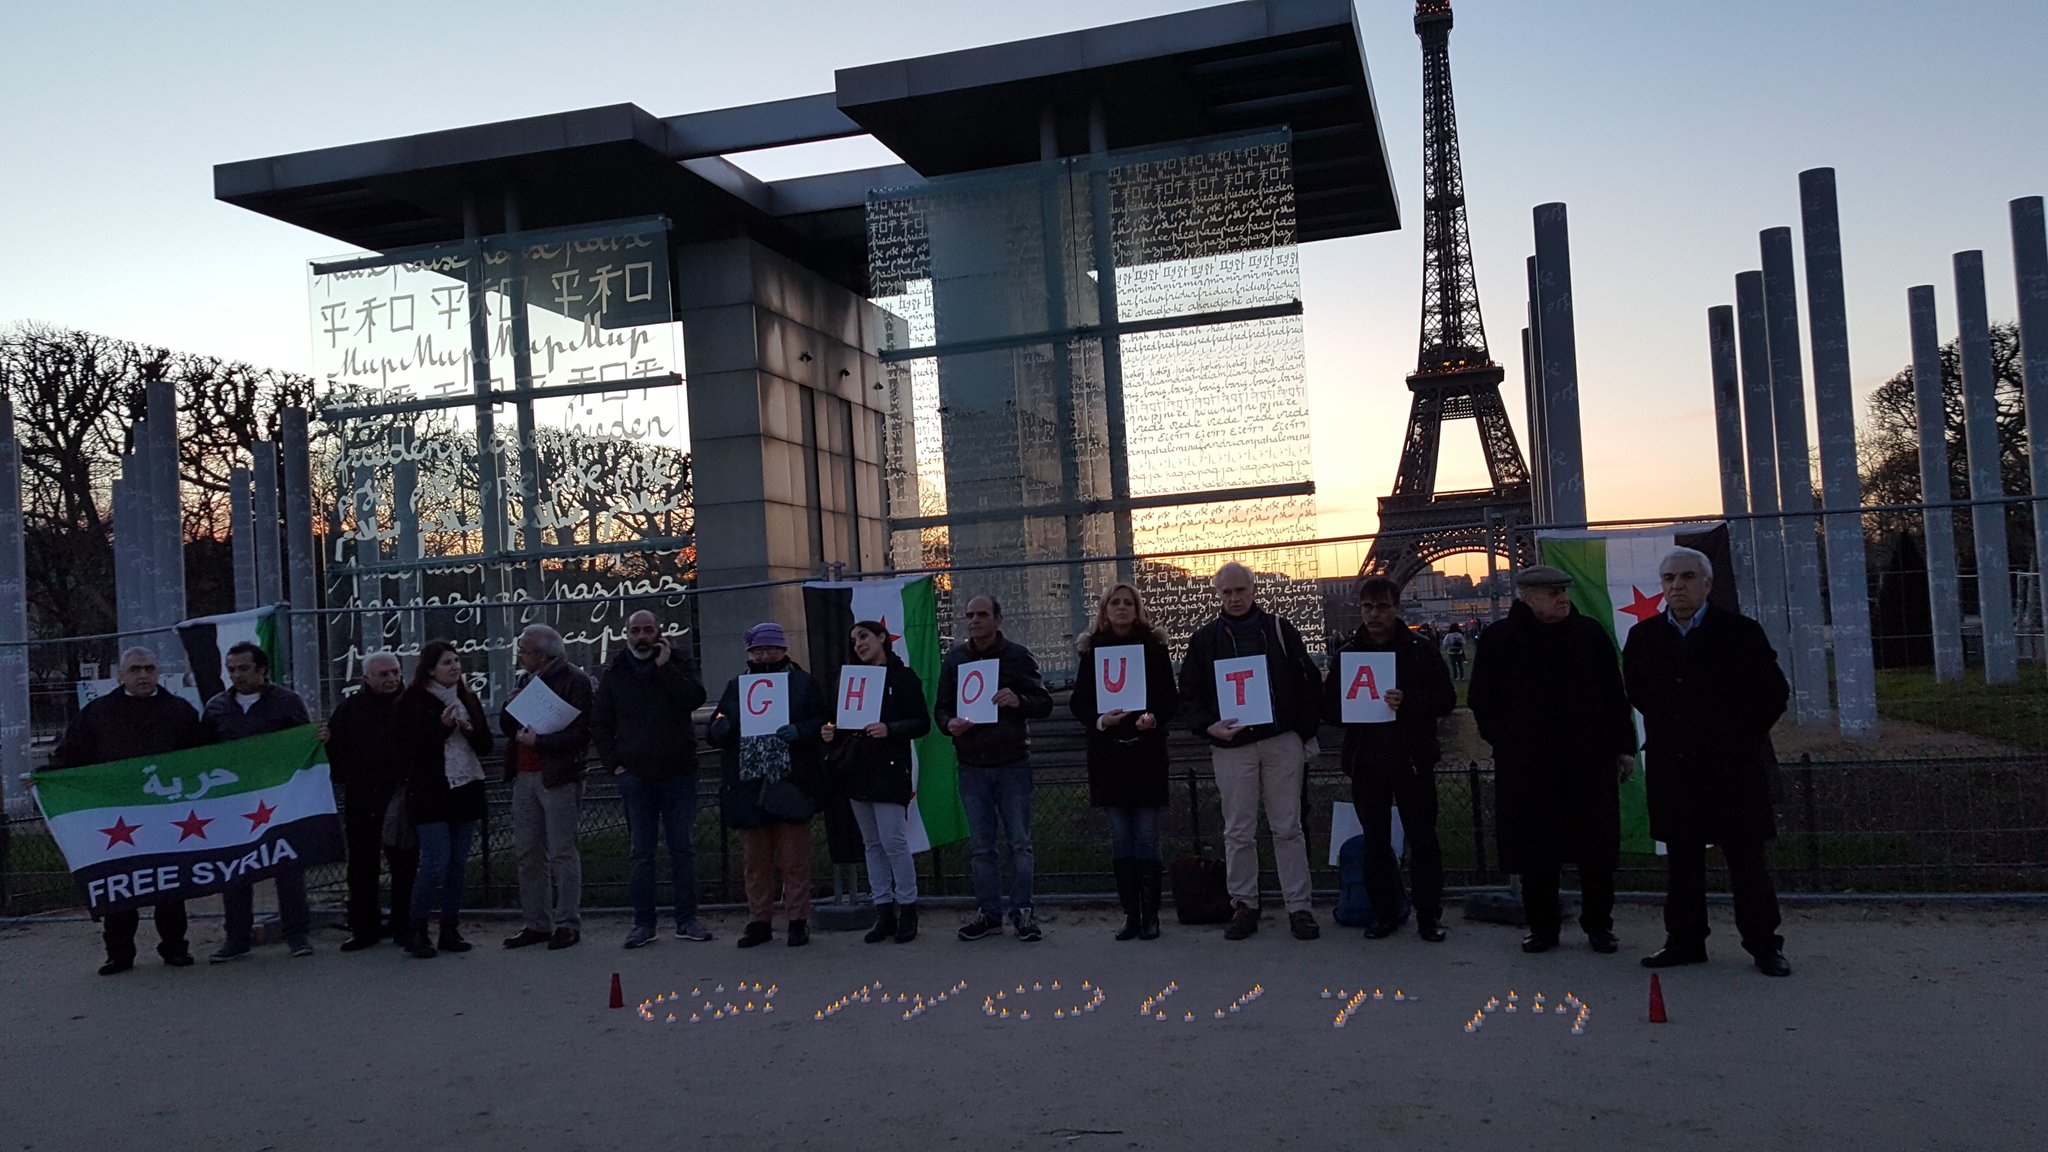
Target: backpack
[
  {"x": 1354, "y": 905},
  {"x": 1201, "y": 894},
  {"x": 1454, "y": 643}
]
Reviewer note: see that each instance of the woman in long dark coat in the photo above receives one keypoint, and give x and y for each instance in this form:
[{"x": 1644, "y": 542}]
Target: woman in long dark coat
[
  {"x": 871, "y": 767},
  {"x": 445, "y": 735},
  {"x": 1127, "y": 754}
]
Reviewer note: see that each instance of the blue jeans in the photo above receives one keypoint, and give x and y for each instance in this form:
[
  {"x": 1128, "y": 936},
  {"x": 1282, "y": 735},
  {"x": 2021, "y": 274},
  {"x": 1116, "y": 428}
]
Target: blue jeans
[
  {"x": 667, "y": 808},
  {"x": 1134, "y": 833},
  {"x": 998, "y": 801},
  {"x": 444, "y": 868}
]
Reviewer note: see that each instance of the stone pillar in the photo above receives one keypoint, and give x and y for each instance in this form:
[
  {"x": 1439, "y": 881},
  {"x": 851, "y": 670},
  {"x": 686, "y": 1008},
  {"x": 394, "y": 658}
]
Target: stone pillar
[
  {"x": 2030, "y": 283},
  {"x": 1834, "y": 409},
  {"x": 1769, "y": 533},
  {"x": 1728, "y": 439},
  {"x": 14, "y": 718},
  {"x": 166, "y": 518},
  {"x": 1795, "y": 482},
  {"x": 1931, "y": 413},
  {"x": 134, "y": 548},
  {"x": 765, "y": 340},
  {"x": 1980, "y": 439},
  {"x": 304, "y": 645},
  {"x": 269, "y": 574},
  {"x": 1566, "y": 469},
  {"x": 242, "y": 535}
]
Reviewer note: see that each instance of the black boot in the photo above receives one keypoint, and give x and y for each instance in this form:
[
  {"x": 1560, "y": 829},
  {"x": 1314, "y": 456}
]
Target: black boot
[
  {"x": 799, "y": 933},
  {"x": 885, "y": 924},
  {"x": 416, "y": 945},
  {"x": 451, "y": 937},
  {"x": 1148, "y": 898},
  {"x": 1127, "y": 894},
  {"x": 906, "y": 923}
]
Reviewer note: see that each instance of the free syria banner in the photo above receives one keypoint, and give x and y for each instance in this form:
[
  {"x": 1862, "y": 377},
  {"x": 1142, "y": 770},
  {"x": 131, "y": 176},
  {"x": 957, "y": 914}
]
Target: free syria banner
[
  {"x": 186, "y": 824},
  {"x": 208, "y": 638},
  {"x": 1615, "y": 580},
  {"x": 909, "y": 609}
]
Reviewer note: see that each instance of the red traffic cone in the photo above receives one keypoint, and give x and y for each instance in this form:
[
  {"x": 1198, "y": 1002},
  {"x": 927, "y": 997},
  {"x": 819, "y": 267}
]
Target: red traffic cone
[
  {"x": 619, "y": 997},
  {"x": 1657, "y": 1001}
]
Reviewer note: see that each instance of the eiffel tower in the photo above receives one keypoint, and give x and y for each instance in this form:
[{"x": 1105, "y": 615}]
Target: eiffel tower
[{"x": 1454, "y": 377}]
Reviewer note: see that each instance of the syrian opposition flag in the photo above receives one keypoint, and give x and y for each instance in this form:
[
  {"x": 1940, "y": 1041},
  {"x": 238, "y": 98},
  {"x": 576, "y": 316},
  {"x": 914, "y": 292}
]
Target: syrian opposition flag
[
  {"x": 1616, "y": 581},
  {"x": 186, "y": 824},
  {"x": 208, "y": 638},
  {"x": 909, "y": 610}
]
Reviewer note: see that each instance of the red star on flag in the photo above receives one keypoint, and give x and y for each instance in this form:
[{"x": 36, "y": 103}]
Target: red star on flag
[
  {"x": 892, "y": 637},
  {"x": 191, "y": 826},
  {"x": 260, "y": 816},
  {"x": 121, "y": 833},
  {"x": 1645, "y": 607}
]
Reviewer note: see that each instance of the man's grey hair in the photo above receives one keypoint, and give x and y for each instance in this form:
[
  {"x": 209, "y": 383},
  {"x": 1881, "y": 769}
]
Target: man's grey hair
[
  {"x": 1234, "y": 569},
  {"x": 1693, "y": 554},
  {"x": 386, "y": 656},
  {"x": 544, "y": 639},
  {"x": 128, "y": 654}
]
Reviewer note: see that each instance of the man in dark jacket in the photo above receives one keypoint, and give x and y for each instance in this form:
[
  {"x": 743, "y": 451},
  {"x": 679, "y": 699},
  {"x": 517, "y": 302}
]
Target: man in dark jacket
[
  {"x": 547, "y": 795},
  {"x": 365, "y": 753},
  {"x": 995, "y": 767},
  {"x": 1547, "y": 693},
  {"x": 141, "y": 719},
  {"x": 1709, "y": 688},
  {"x": 253, "y": 706},
  {"x": 640, "y": 723},
  {"x": 1257, "y": 759},
  {"x": 1395, "y": 763}
]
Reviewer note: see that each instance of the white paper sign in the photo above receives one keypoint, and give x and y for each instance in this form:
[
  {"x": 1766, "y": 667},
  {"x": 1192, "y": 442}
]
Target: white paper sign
[
  {"x": 764, "y": 703},
  {"x": 1364, "y": 679},
  {"x": 975, "y": 697},
  {"x": 540, "y": 709},
  {"x": 860, "y": 695},
  {"x": 1244, "y": 692},
  {"x": 1120, "y": 678},
  {"x": 1344, "y": 825}
]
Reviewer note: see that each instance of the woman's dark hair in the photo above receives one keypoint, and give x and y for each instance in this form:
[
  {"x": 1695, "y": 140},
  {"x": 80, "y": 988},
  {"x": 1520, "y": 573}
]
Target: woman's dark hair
[
  {"x": 877, "y": 628},
  {"x": 423, "y": 671}
]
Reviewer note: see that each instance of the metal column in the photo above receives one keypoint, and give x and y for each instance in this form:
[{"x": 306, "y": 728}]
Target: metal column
[
  {"x": 1102, "y": 221},
  {"x": 1758, "y": 431},
  {"x": 1728, "y": 439},
  {"x": 1566, "y": 471},
  {"x": 1931, "y": 413},
  {"x": 1804, "y": 621},
  {"x": 1980, "y": 438},
  {"x": 14, "y": 715}
]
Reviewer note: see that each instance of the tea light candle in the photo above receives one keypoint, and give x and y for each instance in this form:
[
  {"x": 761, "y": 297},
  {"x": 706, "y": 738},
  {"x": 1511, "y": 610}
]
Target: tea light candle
[
  {"x": 1233, "y": 1008},
  {"x": 671, "y": 1018},
  {"x": 1026, "y": 1015},
  {"x": 1326, "y": 993},
  {"x": 1219, "y": 1013}
]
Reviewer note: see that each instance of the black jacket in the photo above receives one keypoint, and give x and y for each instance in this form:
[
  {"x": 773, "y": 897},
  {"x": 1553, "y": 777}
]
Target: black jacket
[
  {"x": 276, "y": 709},
  {"x": 1549, "y": 698},
  {"x": 1410, "y": 740},
  {"x": 120, "y": 727},
  {"x": 421, "y": 735},
  {"x": 640, "y": 718},
  {"x": 1296, "y": 685},
  {"x": 878, "y": 771},
  {"x": 737, "y": 799},
  {"x": 1008, "y": 740},
  {"x": 365, "y": 752},
  {"x": 561, "y": 753},
  {"x": 1127, "y": 768},
  {"x": 1708, "y": 700}
]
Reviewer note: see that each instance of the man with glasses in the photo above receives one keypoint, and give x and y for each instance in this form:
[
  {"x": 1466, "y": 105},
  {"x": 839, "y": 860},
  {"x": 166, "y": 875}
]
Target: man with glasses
[
  {"x": 363, "y": 752},
  {"x": 547, "y": 796}
]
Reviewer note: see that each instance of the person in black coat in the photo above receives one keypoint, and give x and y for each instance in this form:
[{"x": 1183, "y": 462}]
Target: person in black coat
[
  {"x": 873, "y": 768},
  {"x": 1546, "y": 690},
  {"x": 1127, "y": 752},
  {"x": 770, "y": 784},
  {"x": 1709, "y": 688},
  {"x": 1395, "y": 763},
  {"x": 445, "y": 735},
  {"x": 366, "y": 756},
  {"x": 253, "y": 706}
]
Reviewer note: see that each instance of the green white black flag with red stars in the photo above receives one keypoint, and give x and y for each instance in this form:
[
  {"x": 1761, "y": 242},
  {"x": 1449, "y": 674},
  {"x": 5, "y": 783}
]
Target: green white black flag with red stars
[{"x": 188, "y": 824}]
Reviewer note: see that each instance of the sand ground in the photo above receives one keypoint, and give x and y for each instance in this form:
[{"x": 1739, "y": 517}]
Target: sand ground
[{"x": 1903, "y": 1027}]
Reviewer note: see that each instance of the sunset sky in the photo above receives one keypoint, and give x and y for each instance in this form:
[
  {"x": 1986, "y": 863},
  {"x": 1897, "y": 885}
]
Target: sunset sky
[{"x": 1675, "y": 132}]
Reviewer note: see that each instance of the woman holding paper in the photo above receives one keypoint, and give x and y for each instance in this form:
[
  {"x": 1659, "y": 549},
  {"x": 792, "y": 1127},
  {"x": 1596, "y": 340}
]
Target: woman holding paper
[
  {"x": 873, "y": 766},
  {"x": 445, "y": 735},
  {"x": 1125, "y": 698}
]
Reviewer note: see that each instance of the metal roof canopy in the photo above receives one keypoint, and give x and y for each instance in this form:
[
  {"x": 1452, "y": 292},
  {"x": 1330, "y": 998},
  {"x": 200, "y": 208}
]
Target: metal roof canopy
[{"x": 1298, "y": 64}]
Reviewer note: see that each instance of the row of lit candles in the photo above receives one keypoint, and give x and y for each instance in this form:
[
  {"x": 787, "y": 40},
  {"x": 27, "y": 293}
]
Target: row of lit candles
[{"x": 1571, "y": 1000}]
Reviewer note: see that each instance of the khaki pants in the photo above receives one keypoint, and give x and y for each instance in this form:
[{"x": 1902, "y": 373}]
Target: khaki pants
[
  {"x": 550, "y": 867},
  {"x": 783, "y": 849},
  {"x": 1271, "y": 768}
]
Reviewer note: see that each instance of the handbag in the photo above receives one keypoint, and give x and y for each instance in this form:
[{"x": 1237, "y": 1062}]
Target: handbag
[
  {"x": 783, "y": 800},
  {"x": 1201, "y": 893},
  {"x": 398, "y": 830}
]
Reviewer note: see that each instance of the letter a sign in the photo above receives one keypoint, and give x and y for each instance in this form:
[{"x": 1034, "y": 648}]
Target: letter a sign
[
  {"x": 977, "y": 695},
  {"x": 1367, "y": 677},
  {"x": 1244, "y": 691},
  {"x": 1120, "y": 678},
  {"x": 764, "y": 703},
  {"x": 860, "y": 695}
]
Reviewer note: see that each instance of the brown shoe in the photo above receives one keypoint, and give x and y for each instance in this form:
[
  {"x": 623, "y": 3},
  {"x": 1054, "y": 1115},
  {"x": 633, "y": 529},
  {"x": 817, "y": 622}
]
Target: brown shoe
[
  {"x": 1303, "y": 925},
  {"x": 1244, "y": 920}
]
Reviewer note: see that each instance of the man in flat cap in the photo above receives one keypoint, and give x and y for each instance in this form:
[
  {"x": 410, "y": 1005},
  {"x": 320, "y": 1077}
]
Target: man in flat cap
[{"x": 1547, "y": 693}]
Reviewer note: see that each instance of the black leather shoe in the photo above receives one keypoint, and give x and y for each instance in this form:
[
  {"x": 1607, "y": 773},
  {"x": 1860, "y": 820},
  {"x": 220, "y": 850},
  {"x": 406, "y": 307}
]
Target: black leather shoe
[
  {"x": 1381, "y": 929},
  {"x": 757, "y": 933},
  {"x": 564, "y": 938},
  {"x": 799, "y": 933},
  {"x": 1671, "y": 956},
  {"x": 116, "y": 967},
  {"x": 527, "y": 938},
  {"x": 1773, "y": 964},
  {"x": 178, "y": 960},
  {"x": 1604, "y": 943},
  {"x": 1538, "y": 942},
  {"x": 1430, "y": 931},
  {"x": 358, "y": 942}
]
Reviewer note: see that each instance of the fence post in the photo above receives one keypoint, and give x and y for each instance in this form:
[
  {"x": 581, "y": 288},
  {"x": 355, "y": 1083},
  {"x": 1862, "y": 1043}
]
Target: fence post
[
  {"x": 1807, "y": 810},
  {"x": 1194, "y": 815},
  {"x": 486, "y": 839},
  {"x": 1478, "y": 815}
]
